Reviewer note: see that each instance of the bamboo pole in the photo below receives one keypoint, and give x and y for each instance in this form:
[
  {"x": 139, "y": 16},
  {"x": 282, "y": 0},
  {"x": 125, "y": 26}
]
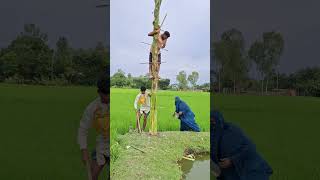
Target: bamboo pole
[{"x": 155, "y": 73}]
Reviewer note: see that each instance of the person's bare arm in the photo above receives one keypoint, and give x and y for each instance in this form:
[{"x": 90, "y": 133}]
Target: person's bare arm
[
  {"x": 85, "y": 124},
  {"x": 156, "y": 31},
  {"x": 151, "y": 33}
]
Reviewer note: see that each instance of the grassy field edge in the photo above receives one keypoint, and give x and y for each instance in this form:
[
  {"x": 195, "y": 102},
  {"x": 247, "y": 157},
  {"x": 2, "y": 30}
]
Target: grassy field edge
[{"x": 160, "y": 154}]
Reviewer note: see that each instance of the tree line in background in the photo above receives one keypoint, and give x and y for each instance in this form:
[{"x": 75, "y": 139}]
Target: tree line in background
[
  {"x": 29, "y": 60},
  {"x": 233, "y": 63},
  {"x": 185, "y": 82}
]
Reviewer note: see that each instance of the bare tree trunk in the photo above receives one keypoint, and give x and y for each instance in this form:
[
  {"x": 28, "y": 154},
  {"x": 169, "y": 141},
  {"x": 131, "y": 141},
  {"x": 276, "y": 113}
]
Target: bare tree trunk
[
  {"x": 262, "y": 90},
  {"x": 278, "y": 83},
  {"x": 234, "y": 84},
  {"x": 277, "y": 80},
  {"x": 219, "y": 79},
  {"x": 155, "y": 73},
  {"x": 52, "y": 69},
  {"x": 262, "y": 79},
  {"x": 267, "y": 86}
]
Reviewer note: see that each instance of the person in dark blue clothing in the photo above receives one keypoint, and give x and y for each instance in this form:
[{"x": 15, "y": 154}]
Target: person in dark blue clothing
[
  {"x": 234, "y": 153},
  {"x": 186, "y": 116}
]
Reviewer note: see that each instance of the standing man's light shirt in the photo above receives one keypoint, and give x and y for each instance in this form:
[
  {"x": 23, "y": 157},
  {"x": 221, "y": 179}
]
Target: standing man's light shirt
[
  {"x": 96, "y": 116},
  {"x": 142, "y": 102}
]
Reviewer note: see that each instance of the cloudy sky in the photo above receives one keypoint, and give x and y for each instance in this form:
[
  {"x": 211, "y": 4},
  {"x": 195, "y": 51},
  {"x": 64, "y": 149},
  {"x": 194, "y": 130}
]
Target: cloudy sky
[
  {"x": 298, "y": 21},
  {"x": 78, "y": 20},
  {"x": 188, "y": 22}
]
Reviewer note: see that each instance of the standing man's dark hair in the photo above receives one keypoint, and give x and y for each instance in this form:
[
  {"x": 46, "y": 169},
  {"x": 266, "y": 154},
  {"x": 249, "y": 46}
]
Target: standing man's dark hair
[
  {"x": 143, "y": 88},
  {"x": 103, "y": 84}
]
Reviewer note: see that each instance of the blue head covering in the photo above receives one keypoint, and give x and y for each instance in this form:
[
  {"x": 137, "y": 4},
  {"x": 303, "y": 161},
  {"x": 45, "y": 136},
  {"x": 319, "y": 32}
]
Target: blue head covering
[
  {"x": 218, "y": 119},
  {"x": 177, "y": 100},
  {"x": 216, "y": 133}
]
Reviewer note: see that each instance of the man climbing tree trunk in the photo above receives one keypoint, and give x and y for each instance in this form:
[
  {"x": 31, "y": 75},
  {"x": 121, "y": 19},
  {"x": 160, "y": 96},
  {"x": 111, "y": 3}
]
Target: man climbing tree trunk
[
  {"x": 154, "y": 73},
  {"x": 159, "y": 42}
]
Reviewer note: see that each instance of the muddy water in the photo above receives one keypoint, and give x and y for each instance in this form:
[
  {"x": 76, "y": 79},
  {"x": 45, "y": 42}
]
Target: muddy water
[{"x": 196, "y": 170}]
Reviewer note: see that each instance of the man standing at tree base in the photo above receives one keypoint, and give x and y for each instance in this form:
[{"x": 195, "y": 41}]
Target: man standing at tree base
[
  {"x": 96, "y": 116},
  {"x": 142, "y": 107}
]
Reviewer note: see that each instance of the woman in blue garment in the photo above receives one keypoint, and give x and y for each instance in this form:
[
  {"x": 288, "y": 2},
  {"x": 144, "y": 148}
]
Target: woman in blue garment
[
  {"x": 234, "y": 153},
  {"x": 186, "y": 116}
]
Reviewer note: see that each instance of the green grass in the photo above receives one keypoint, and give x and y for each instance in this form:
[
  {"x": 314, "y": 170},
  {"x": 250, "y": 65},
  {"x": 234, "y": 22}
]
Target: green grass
[
  {"x": 123, "y": 112},
  {"x": 161, "y": 153},
  {"x": 123, "y": 116},
  {"x": 285, "y": 130},
  {"x": 38, "y": 131}
]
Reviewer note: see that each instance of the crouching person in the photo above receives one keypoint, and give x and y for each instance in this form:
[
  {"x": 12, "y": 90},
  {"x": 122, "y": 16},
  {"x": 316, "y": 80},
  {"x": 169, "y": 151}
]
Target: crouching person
[
  {"x": 233, "y": 155},
  {"x": 186, "y": 116}
]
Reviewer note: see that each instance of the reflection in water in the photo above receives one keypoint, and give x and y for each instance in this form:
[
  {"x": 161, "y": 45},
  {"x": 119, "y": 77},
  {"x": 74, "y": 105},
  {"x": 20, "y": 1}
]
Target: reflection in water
[{"x": 195, "y": 170}]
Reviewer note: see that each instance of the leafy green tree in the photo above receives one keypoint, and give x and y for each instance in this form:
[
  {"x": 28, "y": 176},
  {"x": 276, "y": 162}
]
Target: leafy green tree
[
  {"x": 119, "y": 79},
  {"x": 307, "y": 81},
  {"x": 62, "y": 62},
  {"x": 266, "y": 54},
  {"x": 231, "y": 55},
  {"x": 273, "y": 49},
  {"x": 235, "y": 37},
  {"x": 28, "y": 56},
  {"x": 193, "y": 78},
  {"x": 256, "y": 53},
  {"x": 8, "y": 65},
  {"x": 31, "y": 30},
  {"x": 164, "y": 84},
  {"x": 205, "y": 87},
  {"x": 174, "y": 87},
  {"x": 130, "y": 80},
  {"x": 28, "y": 59},
  {"x": 103, "y": 57},
  {"x": 220, "y": 55},
  {"x": 87, "y": 63},
  {"x": 142, "y": 81},
  {"x": 182, "y": 80}
]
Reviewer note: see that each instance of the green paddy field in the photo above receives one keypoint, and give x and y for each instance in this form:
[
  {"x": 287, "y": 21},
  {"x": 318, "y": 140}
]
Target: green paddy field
[
  {"x": 122, "y": 112},
  {"x": 38, "y": 132},
  {"x": 39, "y": 126}
]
